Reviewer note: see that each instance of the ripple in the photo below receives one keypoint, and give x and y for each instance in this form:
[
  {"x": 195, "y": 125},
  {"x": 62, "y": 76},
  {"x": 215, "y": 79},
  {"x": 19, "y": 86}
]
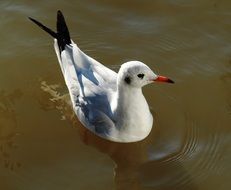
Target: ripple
[
  {"x": 198, "y": 158},
  {"x": 189, "y": 144},
  {"x": 208, "y": 162}
]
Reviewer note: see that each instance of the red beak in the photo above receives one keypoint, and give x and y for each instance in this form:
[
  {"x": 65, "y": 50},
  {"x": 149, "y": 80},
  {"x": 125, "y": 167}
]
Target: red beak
[{"x": 163, "y": 79}]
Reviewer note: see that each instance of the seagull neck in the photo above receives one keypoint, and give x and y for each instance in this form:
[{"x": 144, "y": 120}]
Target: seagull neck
[
  {"x": 132, "y": 110},
  {"x": 133, "y": 119},
  {"x": 129, "y": 101},
  {"x": 126, "y": 93}
]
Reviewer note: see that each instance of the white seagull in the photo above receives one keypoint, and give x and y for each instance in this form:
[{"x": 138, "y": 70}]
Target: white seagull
[{"x": 109, "y": 104}]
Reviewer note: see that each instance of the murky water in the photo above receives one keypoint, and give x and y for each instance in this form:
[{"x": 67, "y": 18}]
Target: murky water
[{"x": 42, "y": 144}]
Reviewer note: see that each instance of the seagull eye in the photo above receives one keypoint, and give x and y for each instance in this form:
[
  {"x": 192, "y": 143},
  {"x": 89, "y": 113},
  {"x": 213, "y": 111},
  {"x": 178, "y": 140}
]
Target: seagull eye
[{"x": 141, "y": 75}]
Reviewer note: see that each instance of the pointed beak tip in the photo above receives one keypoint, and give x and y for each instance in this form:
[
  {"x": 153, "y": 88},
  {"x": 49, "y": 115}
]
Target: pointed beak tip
[
  {"x": 163, "y": 79},
  {"x": 170, "y": 81}
]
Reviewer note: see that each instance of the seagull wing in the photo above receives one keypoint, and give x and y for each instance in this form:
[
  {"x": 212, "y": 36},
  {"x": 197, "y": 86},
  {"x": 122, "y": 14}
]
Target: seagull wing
[{"x": 90, "y": 83}]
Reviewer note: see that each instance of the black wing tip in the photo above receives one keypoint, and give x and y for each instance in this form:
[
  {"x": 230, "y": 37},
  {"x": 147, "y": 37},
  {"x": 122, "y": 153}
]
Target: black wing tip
[
  {"x": 62, "y": 34},
  {"x": 46, "y": 29},
  {"x": 35, "y": 21},
  {"x": 62, "y": 31},
  {"x": 59, "y": 13},
  {"x": 60, "y": 17},
  {"x": 30, "y": 18}
]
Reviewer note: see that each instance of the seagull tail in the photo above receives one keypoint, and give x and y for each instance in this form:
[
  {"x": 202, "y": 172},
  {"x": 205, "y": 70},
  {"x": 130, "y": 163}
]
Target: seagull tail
[{"x": 62, "y": 35}]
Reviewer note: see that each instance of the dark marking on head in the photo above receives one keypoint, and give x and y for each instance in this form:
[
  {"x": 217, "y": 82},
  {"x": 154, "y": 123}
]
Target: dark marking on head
[
  {"x": 141, "y": 75},
  {"x": 127, "y": 79}
]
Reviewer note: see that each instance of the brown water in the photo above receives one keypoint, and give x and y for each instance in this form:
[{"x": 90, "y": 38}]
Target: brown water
[{"x": 43, "y": 146}]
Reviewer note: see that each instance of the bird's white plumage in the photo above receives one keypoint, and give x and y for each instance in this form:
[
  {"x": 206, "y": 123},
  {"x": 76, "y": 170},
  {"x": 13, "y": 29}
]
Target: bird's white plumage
[
  {"x": 109, "y": 104},
  {"x": 102, "y": 100}
]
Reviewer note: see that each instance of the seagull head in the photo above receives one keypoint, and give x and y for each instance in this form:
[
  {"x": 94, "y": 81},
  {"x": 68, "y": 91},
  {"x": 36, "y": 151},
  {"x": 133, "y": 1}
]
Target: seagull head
[{"x": 136, "y": 74}]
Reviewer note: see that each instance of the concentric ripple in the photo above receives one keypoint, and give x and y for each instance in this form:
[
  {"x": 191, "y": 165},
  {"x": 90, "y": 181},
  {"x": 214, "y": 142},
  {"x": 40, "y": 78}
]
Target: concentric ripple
[{"x": 199, "y": 158}]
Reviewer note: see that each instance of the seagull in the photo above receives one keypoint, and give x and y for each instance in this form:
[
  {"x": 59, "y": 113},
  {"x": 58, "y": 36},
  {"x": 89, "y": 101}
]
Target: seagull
[{"x": 109, "y": 104}]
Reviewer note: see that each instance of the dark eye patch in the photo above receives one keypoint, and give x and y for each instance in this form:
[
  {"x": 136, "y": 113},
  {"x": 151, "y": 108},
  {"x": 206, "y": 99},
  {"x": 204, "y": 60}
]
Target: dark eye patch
[
  {"x": 127, "y": 79},
  {"x": 141, "y": 75}
]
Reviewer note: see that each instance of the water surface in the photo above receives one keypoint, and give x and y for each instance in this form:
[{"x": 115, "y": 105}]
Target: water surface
[{"x": 42, "y": 144}]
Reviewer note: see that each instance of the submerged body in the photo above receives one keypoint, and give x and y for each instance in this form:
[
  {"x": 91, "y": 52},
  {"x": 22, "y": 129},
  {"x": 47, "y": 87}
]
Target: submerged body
[{"x": 109, "y": 104}]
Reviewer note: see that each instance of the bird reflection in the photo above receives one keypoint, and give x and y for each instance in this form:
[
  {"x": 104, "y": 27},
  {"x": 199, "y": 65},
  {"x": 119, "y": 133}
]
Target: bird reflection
[
  {"x": 134, "y": 168},
  {"x": 127, "y": 158}
]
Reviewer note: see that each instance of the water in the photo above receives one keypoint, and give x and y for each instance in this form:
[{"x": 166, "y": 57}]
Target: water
[{"x": 42, "y": 144}]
